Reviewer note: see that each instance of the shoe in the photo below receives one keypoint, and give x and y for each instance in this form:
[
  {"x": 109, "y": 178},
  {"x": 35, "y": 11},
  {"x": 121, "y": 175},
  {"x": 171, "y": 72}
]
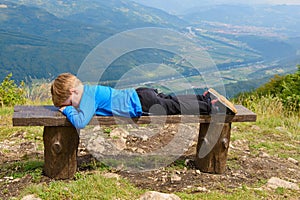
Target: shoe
[{"x": 221, "y": 102}]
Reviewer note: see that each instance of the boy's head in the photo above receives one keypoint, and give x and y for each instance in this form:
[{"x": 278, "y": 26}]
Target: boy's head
[{"x": 63, "y": 87}]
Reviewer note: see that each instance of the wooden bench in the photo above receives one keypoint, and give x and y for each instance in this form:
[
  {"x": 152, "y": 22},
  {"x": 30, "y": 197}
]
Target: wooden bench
[{"x": 61, "y": 139}]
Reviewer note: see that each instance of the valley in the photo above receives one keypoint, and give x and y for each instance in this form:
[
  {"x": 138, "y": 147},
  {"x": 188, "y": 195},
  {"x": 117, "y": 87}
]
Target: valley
[{"x": 39, "y": 40}]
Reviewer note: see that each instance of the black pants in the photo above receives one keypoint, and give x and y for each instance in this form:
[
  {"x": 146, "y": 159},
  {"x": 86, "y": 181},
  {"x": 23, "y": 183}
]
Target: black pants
[{"x": 154, "y": 103}]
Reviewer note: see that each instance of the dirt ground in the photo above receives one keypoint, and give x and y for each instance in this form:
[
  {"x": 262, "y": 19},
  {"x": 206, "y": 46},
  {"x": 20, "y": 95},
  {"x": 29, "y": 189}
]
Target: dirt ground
[{"x": 243, "y": 167}]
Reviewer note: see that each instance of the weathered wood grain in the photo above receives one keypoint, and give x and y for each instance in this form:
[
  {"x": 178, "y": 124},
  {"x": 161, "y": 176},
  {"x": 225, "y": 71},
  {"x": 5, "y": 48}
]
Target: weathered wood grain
[
  {"x": 60, "y": 152},
  {"x": 212, "y": 147},
  {"x": 50, "y": 116}
]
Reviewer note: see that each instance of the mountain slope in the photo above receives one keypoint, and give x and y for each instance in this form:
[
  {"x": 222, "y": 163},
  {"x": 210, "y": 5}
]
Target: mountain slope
[
  {"x": 280, "y": 18},
  {"x": 28, "y": 56},
  {"x": 56, "y": 36},
  {"x": 37, "y": 43},
  {"x": 114, "y": 13}
]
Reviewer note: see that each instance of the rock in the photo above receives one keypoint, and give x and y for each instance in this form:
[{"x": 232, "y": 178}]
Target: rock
[
  {"x": 30, "y": 197},
  {"x": 145, "y": 138},
  {"x": 294, "y": 161},
  {"x": 187, "y": 162},
  {"x": 175, "y": 177},
  {"x": 111, "y": 175},
  {"x": 164, "y": 178},
  {"x": 240, "y": 145},
  {"x": 235, "y": 128},
  {"x": 96, "y": 128},
  {"x": 202, "y": 189},
  {"x": 263, "y": 155},
  {"x": 279, "y": 128},
  {"x": 140, "y": 151},
  {"x": 28, "y": 146},
  {"x": 119, "y": 133},
  {"x": 16, "y": 180},
  {"x": 152, "y": 195},
  {"x": 255, "y": 127},
  {"x": 275, "y": 182},
  {"x": 19, "y": 134},
  {"x": 119, "y": 143},
  {"x": 96, "y": 145},
  {"x": 8, "y": 177}
]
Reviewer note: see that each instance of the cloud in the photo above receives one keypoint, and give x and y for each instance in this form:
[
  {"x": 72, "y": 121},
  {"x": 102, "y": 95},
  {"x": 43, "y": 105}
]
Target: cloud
[{"x": 290, "y": 2}]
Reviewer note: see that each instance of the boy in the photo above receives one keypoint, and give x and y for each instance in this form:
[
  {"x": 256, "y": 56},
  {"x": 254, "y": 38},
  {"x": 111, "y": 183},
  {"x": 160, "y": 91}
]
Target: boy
[{"x": 81, "y": 102}]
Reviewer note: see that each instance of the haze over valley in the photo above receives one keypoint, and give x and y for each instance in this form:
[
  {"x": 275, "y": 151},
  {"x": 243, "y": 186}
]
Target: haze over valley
[{"x": 248, "y": 43}]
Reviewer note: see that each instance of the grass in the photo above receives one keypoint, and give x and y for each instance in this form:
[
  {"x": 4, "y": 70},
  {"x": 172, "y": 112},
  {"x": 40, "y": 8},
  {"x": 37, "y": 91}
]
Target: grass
[
  {"x": 88, "y": 186},
  {"x": 276, "y": 132},
  {"x": 19, "y": 169}
]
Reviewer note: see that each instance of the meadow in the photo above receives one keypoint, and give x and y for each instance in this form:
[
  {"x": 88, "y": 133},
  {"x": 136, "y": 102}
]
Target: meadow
[{"x": 259, "y": 151}]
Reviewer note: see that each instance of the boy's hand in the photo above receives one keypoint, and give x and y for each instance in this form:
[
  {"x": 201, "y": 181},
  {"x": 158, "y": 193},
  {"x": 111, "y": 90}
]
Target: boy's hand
[{"x": 61, "y": 109}]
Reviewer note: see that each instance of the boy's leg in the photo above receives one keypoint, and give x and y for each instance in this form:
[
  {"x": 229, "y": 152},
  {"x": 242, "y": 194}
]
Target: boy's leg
[
  {"x": 221, "y": 102},
  {"x": 185, "y": 104},
  {"x": 157, "y": 104},
  {"x": 194, "y": 104},
  {"x": 172, "y": 105}
]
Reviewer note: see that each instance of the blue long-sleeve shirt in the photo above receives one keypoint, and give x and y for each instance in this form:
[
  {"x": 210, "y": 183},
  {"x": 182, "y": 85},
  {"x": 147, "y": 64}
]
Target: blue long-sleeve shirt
[{"x": 105, "y": 101}]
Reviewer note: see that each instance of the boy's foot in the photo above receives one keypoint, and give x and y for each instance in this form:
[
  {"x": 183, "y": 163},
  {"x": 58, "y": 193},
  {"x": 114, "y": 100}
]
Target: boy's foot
[{"x": 220, "y": 101}]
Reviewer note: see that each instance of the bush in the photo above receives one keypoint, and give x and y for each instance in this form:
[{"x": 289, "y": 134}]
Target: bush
[
  {"x": 10, "y": 93},
  {"x": 284, "y": 88}
]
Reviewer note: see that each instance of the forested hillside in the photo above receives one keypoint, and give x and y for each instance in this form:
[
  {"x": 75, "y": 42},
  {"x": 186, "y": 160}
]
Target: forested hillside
[
  {"x": 43, "y": 39},
  {"x": 40, "y": 39}
]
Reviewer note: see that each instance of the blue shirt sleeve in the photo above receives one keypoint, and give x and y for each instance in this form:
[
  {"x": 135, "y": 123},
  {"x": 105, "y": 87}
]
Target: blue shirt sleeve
[
  {"x": 80, "y": 117},
  {"x": 105, "y": 101}
]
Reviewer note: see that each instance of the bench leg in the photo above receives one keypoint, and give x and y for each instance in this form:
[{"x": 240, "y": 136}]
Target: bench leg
[
  {"x": 212, "y": 147},
  {"x": 60, "y": 151}
]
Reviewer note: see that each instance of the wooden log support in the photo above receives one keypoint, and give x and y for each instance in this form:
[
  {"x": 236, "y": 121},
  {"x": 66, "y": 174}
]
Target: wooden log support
[
  {"x": 60, "y": 151},
  {"x": 212, "y": 147}
]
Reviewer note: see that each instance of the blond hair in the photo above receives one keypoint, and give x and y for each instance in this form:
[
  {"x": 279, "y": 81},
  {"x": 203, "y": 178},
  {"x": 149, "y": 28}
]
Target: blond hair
[{"x": 61, "y": 86}]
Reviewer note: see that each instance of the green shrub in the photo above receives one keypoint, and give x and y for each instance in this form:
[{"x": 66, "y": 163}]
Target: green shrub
[
  {"x": 284, "y": 88},
  {"x": 10, "y": 93}
]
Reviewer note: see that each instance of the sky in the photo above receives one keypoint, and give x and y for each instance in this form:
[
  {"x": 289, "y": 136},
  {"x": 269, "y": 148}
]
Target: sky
[{"x": 293, "y": 2}]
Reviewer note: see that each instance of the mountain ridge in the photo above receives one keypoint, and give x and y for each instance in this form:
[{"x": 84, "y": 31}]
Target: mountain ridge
[
  {"x": 40, "y": 39},
  {"x": 40, "y": 24}
]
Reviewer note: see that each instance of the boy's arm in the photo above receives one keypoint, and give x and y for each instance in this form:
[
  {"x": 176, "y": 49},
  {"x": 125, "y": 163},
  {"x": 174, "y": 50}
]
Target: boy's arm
[{"x": 79, "y": 118}]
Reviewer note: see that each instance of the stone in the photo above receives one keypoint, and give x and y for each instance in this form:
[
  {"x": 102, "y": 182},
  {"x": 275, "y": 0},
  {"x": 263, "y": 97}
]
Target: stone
[
  {"x": 152, "y": 195},
  {"x": 96, "y": 128},
  {"x": 275, "y": 182},
  {"x": 175, "y": 178},
  {"x": 202, "y": 189},
  {"x": 263, "y": 155},
  {"x": 255, "y": 127},
  {"x": 111, "y": 176},
  {"x": 279, "y": 128},
  {"x": 145, "y": 138},
  {"x": 119, "y": 133},
  {"x": 140, "y": 151},
  {"x": 96, "y": 145},
  {"x": 30, "y": 197},
  {"x": 294, "y": 161},
  {"x": 119, "y": 143}
]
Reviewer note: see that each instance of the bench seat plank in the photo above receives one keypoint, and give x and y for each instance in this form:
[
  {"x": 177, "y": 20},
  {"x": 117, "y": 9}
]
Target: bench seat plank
[{"x": 50, "y": 116}]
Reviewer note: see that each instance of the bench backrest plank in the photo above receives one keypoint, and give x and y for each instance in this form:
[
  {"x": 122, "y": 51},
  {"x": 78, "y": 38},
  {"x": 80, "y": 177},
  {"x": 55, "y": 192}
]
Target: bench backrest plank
[{"x": 50, "y": 116}]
